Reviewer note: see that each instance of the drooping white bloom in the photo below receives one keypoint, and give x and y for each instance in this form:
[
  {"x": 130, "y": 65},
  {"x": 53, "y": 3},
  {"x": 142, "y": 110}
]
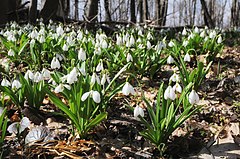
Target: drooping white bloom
[
  {"x": 34, "y": 34},
  {"x": 128, "y": 89},
  {"x": 41, "y": 39},
  {"x": 81, "y": 55},
  {"x": 177, "y": 88},
  {"x": 94, "y": 79},
  {"x": 95, "y": 95},
  {"x": 169, "y": 93},
  {"x": 29, "y": 75},
  {"x": 60, "y": 57},
  {"x": 187, "y": 58},
  {"x": 55, "y": 64},
  {"x": 105, "y": 79},
  {"x": 171, "y": 44},
  {"x": 11, "y": 52},
  {"x": 99, "y": 66},
  {"x": 131, "y": 40},
  {"x": 16, "y": 84},
  {"x": 37, "y": 77},
  {"x": 196, "y": 30},
  {"x": 170, "y": 60},
  {"x": 60, "y": 88},
  {"x": 212, "y": 34},
  {"x": 149, "y": 36},
  {"x": 104, "y": 44},
  {"x": 119, "y": 40},
  {"x": 72, "y": 76},
  {"x": 219, "y": 40},
  {"x": 59, "y": 30},
  {"x": 175, "y": 77},
  {"x": 138, "y": 111},
  {"x": 18, "y": 127},
  {"x": 202, "y": 34},
  {"x": 193, "y": 97},
  {"x": 184, "y": 32},
  {"x": 5, "y": 82},
  {"x": 129, "y": 57},
  {"x": 46, "y": 74},
  {"x": 185, "y": 43},
  {"x": 149, "y": 45},
  {"x": 65, "y": 47}
]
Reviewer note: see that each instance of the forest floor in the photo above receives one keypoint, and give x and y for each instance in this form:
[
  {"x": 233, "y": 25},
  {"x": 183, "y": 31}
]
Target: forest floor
[{"x": 211, "y": 133}]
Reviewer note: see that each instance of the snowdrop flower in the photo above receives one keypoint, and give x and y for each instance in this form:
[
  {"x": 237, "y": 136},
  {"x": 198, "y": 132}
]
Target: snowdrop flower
[
  {"x": 149, "y": 45},
  {"x": 149, "y": 36},
  {"x": 55, "y": 64},
  {"x": 41, "y": 39},
  {"x": 104, "y": 44},
  {"x": 18, "y": 127},
  {"x": 184, "y": 32},
  {"x": 99, "y": 66},
  {"x": 80, "y": 35},
  {"x": 212, "y": 34},
  {"x": 169, "y": 93},
  {"x": 16, "y": 84},
  {"x": 34, "y": 34},
  {"x": 72, "y": 76},
  {"x": 1, "y": 110},
  {"x": 196, "y": 30},
  {"x": 128, "y": 89},
  {"x": 94, "y": 78},
  {"x": 32, "y": 42},
  {"x": 60, "y": 57},
  {"x": 119, "y": 40},
  {"x": 37, "y": 77},
  {"x": 11, "y": 52},
  {"x": 95, "y": 95},
  {"x": 140, "y": 32},
  {"x": 202, "y": 34},
  {"x": 46, "y": 74},
  {"x": 29, "y": 75},
  {"x": 65, "y": 47},
  {"x": 82, "y": 69},
  {"x": 59, "y": 31},
  {"x": 60, "y": 88},
  {"x": 138, "y": 111},
  {"x": 129, "y": 57},
  {"x": 185, "y": 43},
  {"x": 171, "y": 44},
  {"x": 81, "y": 55},
  {"x": 131, "y": 41},
  {"x": 219, "y": 40},
  {"x": 170, "y": 60},
  {"x": 193, "y": 97},
  {"x": 175, "y": 78},
  {"x": 187, "y": 58},
  {"x": 104, "y": 79},
  {"x": 177, "y": 88},
  {"x": 5, "y": 82}
]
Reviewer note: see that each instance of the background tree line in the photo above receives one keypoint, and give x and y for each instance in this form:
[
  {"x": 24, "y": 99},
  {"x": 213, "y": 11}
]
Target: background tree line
[{"x": 214, "y": 13}]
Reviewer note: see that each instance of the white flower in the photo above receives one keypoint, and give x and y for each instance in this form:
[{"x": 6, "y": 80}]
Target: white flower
[
  {"x": 149, "y": 45},
  {"x": 46, "y": 74},
  {"x": 11, "y": 52},
  {"x": 185, "y": 43},
  {"x": 169, "y": 93},
  {"x": 16, "y": 84},
  {"x": 1, "y": 111},
  {"x": 37, "y": 77},
  {"x": 171, "y": 44},
  {"x": 81, "y": 55},
  {"x": 128, "y": 89},
  {"x": 119, "y": 40},
  {"x": 18, "y": 127},
  {"x": 65, "y": 47},
  {"x": 55, "y": 64},
  {"x": 59, "y": 31},
  {"x": 29, "y": 75},
  {"x": 149, "y": 36},
  {"x": 60, "y": 88},
  {"x": 104, "y": 44},
  {"x": 95, "y": 95},
  {"x": 94, "y": 78},
  {"x": 138, "y": 111},
  {"x": 131, "y": 41},
  {"x": 60, "y": 57},
  {"x": 129, "y": 57},
  {"x": 175, "y": 78},
  {"x": 99, "y": 66},
  {"x": 72, "y": 76},
  {"x": 212, "y": 34},
  {"x": 187, "y": 58},
  {"x": 5, "y": 82},
  {"x": 177, "y": 88},
  {"x": 196, "y": 30},
  {"x": 219, "y": 40},
  {"x": 202, "y": 34},
  {"x": 34, "y": 34},
  {"x": 193, "y": 97},
  {"x": 104, "y": 79},
  {"x": 170, "y": 60},
  {"x": 184, "y": 32}
]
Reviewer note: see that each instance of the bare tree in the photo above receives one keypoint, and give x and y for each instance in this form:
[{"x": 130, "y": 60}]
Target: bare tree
[
  {"x": 76, "y": 9},
  {"x": 145, "y": 10},
  {"x": 132, "y": 11},
  {"x": 235, "y": 17},
  {"x": 91, "y": 10},
  {"x": 33, "y": 11},
  {"x": 207, "y": 17},
  {"x": 107, "y": 10}
]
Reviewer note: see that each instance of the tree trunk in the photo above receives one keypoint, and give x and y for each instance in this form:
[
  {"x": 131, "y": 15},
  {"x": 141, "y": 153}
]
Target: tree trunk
[
  {"x": 235, "y": 13},
  {"x": 76, "y": 9},
  {"x": 132, "y": 11},
  {"x": 145, "y": 10},
  {"x": 91, "y": 10},
  {"x": 207, "y": 18},
  {"x": 49, "y": 10},
  {"x": 107, "y": 10},
  {"x": 32, "y": 15},
  {"x": 3, "y": 11},
  {"x": 140, "y": 11},
  {"x": 157, "y": 13}
]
